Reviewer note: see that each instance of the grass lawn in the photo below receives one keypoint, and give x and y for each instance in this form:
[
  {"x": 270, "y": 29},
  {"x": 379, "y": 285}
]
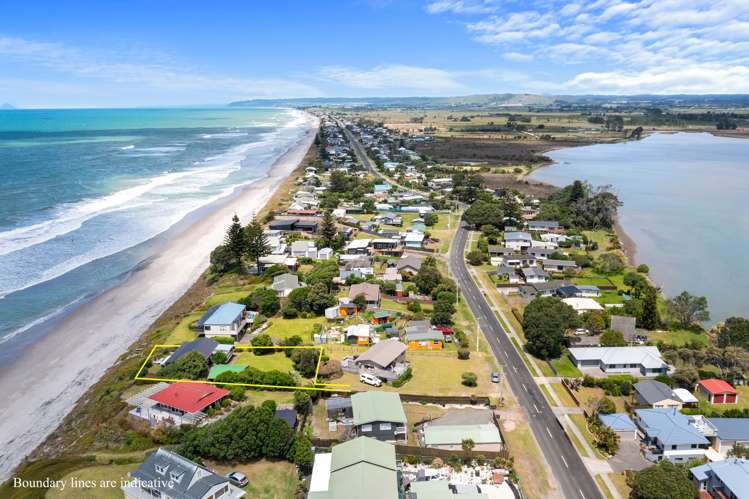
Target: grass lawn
[
  {"x": 529, "y": 462},
  {"x": 285, "y": 328},
  {"x": 434, "y": 373},
  {"x": 264, "y": 362},
  {"x": 582, "y": 425},
  {"x": 257, "y": 397},
  {"x": 679, "y": 337},
  {"x": 268, "y": 479},
  {"x": 563, "y": 395},
  {"x": 183, "y": 332},
  {"x": 565, "y": 368},
  {"x": 545, "y": 389},
  {"x": 115, "y": 472},
  {"x": 602, "y": 485},
  {"x": 401, "y": 307},
  {"x": 584, "y": 394},
  {"x": 620, "y": 482},
  {"x": 610, "y": 298},
  {"x": 591, "y": 281},
  {"x": 545, "y": 368}
]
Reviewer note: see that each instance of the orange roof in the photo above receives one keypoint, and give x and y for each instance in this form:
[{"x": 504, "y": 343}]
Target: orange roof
[{"x": 717, "y": 386}]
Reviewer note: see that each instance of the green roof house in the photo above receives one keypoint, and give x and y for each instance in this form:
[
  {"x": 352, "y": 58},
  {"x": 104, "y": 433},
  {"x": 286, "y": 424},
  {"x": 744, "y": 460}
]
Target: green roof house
[
  {"x": 362, "y": 468},
  {"x": 379, "y": 415}
]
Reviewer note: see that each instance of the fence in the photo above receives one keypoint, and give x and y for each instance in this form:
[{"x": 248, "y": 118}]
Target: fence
[{"x": 445, "y": 454}]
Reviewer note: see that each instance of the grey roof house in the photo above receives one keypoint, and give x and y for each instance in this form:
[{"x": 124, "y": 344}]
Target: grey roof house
[
  {"x": 655, "y": 394},
  {"x": 204, "y": 346},
  {"x": 386, "y": 355},
  {"x": 167, "y": 474},
  {"x": 625, "y": 325},
  {"x": 284, "y": 284}
]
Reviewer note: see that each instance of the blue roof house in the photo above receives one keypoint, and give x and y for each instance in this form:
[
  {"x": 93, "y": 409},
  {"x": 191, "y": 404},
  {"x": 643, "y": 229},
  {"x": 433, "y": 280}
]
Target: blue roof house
[
  {"x": 670, "y": 435},
  {"x": 228, "y": 320},
  {"x": 621, "y": 424},
  {"x": 729, "y": 478}
]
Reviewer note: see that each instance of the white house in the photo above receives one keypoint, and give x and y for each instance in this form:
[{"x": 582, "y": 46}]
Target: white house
[
  {"x": 304, "y": 248},
  {"x": 325, "y": 253},
  {"x": 226, "y": 320},
  {"x": 413, "y": 240},
  {"x": 582, "y": 305},
  {"x": 518, "y": 240},
  {"x": 638, "y": 361}
]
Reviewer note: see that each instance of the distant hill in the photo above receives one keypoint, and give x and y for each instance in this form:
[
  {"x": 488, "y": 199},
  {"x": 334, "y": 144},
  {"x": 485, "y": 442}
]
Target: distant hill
[
  {"x": 488, "y": 101},
  {"x": 7, "y": 106},
  {"x": 508, "y": 101}
]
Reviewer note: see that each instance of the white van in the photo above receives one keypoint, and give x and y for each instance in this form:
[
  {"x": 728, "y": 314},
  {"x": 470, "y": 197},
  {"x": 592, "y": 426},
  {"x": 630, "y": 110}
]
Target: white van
[{"x": 370, "y": 379}]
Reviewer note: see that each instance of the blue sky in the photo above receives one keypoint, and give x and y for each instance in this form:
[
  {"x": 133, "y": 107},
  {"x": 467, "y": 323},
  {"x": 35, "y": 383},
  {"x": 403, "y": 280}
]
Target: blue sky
[{"x": 146, "y": 53}]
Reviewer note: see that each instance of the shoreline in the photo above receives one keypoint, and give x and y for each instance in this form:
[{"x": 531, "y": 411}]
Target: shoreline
[{"x": 75, "y": 355}]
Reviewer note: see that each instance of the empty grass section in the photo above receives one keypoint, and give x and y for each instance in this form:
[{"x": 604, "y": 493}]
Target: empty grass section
[
  {"x": 285, "y": 328},
  {"x": 565, "y": 368},
  {"x": 564, "y": 396}
]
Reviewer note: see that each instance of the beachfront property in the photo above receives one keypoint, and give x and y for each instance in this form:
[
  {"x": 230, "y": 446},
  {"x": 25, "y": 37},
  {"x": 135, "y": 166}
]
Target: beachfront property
[
  {"x": 728, "y": 479},
  {"x": 226, "y": 320},
  {"x": 175, "y": 404},
  {"x": 717, "y": 391},
  {"x": 637, "y": 361},
  {"x": 670, "y": 435},
  {"x": 203, "y": 346},
  {"x": 362, "y": 468},
  {"x": 379, "y": 415},
  {"x": 165, "y": 473}
]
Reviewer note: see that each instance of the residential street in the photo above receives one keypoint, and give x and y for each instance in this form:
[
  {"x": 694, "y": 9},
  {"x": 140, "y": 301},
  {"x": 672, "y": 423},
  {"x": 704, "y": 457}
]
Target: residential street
[{"x": 568, "y": 468}]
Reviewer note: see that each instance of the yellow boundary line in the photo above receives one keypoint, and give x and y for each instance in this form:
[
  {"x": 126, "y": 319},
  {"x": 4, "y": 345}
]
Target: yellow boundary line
[{"x": 322, "y": 387}]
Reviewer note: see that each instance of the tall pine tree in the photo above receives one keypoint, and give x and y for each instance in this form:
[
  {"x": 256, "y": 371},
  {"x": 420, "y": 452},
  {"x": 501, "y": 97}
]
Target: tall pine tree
[
  {"x": 234, "y": 241},
  {"x": 650, "y": 319},
  {"x": 257, "y": 242},
  {"x": 328, "y": 231}
]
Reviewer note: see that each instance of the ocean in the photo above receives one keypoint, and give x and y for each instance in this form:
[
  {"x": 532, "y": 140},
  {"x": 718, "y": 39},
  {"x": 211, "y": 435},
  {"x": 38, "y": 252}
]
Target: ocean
[
  {"x": 88, "y": 195},
  {"x": 684, "y": 198}
]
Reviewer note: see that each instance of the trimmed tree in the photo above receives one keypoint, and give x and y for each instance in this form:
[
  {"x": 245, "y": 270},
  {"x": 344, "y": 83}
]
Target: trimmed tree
[{"x": 544, "y": 321}]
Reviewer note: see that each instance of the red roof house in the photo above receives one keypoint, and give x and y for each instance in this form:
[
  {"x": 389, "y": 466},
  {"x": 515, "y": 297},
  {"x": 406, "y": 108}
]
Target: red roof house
[
  {"x": 189, "y": 397},
  {"x": 718, "y": 391}
]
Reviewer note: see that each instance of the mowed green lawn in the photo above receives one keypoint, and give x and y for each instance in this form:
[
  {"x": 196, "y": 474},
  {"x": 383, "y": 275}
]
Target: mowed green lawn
[
  {"x": 285, "y": 328},
  {"x": 679, "y": 337},
  {"x": 267, "y": 362},
  {"x": 268, "y": 479},
  {"x": 565, "y": 368}
]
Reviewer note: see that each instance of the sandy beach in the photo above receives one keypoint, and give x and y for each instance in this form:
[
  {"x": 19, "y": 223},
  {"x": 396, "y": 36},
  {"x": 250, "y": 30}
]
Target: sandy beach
[{"x": 43, "y": 384}]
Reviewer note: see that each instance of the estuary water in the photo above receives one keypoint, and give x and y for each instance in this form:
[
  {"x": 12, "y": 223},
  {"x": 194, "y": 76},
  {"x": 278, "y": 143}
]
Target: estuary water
[{"x": 685, "y": 201}]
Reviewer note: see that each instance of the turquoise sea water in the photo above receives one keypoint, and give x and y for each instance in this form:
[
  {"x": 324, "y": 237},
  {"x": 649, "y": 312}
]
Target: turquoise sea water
[
  {"x": 685, "y": 205},
  {"x": 86, "y": 195}
]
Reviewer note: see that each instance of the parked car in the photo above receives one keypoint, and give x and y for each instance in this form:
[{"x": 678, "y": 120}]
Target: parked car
[
  {"x": 495, "y": 377},
  {"x": 237, "y": 478},
  {"x": 581, "y": 331},
  {"x": 370, "y": 379}
]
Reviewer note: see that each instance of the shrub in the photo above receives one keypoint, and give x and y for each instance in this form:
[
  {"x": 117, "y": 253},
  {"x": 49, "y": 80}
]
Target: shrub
[
  {"x": 403, "y": 378},
  {"x": 464, "y": 354},
  {"x": 475, "y": 257},
  {"x": 469, "y": 379},
  {"x": 289, "y": 312},
  {"x": 262, "y": 340},
  {"x": 643, "y": 269}
]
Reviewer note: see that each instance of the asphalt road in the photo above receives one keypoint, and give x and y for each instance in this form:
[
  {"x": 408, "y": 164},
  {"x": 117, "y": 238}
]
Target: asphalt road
[{"x": 568, "y": 468}]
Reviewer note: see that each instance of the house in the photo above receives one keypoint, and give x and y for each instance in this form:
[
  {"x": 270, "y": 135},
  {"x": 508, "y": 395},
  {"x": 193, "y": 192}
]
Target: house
[
  {"x": 560, "y": 265},
  {"x": 284, "y": 284},
  {"x": 379, "y": 415},
  {"x": 359, "y": 334},
  {"x": 325, "y": 253},
  {"x": 540, "y": 253},
  {"x": 638, "y": 361},
  {"x": 387, "y": 246},
  {"x": 717, "y": 391},
  {"x": 338, "y": 408},
  {"x": 728, "y": 433},
  {"x": 370, "y": 291},
  {"x": 283, "y": 225},
  {"x": 685, "y": 397},
  {"x": 424, "y": 339},
  {"x": 669, "y": 435},
  {"x": 449, "y": 430},
  {"x": 204, "y": 346},
  {"x": 620, "y": 423},
  {"x": 509, "y": 273},
  {"x": 288, "y": 415},
  {"x": 517, "y": 240},
  {"x": 578, "y": 291},
  {"x": 582, "y": 305},
  {"x": 385, "y": 359},
  {"x": 534, "y": 275},
  {"x": 727, "y": 479},
  {"x": 543, "y": 225},
  {"x": 308, "y": 226},
  {"x": 177, "y": 404},
  {"x": 655, "y": 394},
  {"x": 500, "y": 251},
  {"x": 225, "y": 320},
  {"x": 358, "y": 247},
  {"x": 362, "y": 468},
  {"x": 542, "y": 289},
  {"x": 414, "y": 240},
  {"x": 269, "y": 261},
  {"x": 303, "y": 249},
  {"x": 409, "y": 263},
  {"x": 167, "y": 474},
  {"x": 518, "y": 260},
  {"x": 624, "y": 325}
]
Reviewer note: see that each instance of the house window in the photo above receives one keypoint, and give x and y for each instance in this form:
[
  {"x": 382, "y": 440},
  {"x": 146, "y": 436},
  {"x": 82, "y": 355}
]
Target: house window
[
  {"x": 385, "y": 426},
  {"x": 673, "y": 447},
  {"x": 161, "y": 470},
  {"x": 366, "y": 428}
]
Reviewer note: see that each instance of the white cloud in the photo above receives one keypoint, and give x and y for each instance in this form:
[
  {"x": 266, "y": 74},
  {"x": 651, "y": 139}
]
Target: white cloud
[
  {"x": 518, "y": 56},
  {"x": 462, "y": 6},
  {"x": 394, "y": 76}
]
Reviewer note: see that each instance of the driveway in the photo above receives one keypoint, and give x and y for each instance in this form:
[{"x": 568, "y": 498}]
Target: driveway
[{"x": 629, "y": 457}]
